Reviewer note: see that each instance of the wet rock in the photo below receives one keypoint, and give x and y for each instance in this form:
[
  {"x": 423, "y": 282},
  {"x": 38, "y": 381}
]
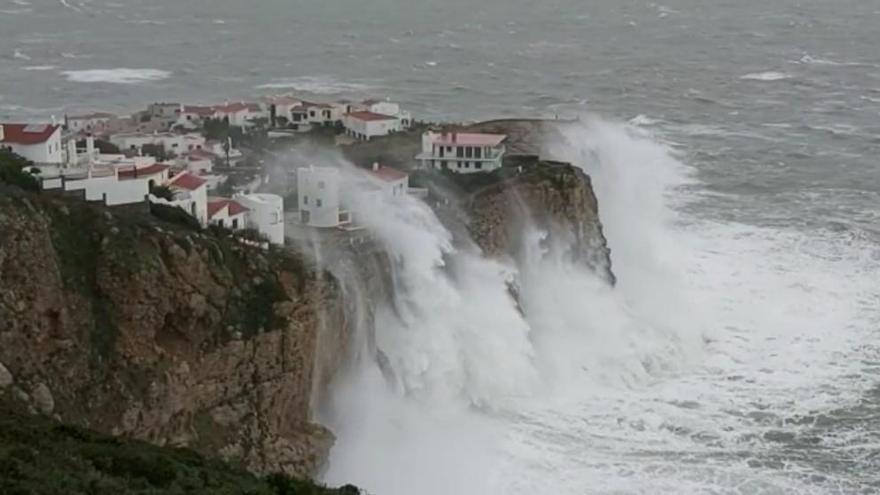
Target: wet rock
[
  {"x": 6, "y": 378},
  {"x": 43, "y": 399}
]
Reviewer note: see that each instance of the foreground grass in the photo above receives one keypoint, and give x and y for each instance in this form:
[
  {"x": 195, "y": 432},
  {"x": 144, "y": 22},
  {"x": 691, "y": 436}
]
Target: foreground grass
[{"x": 40, "y": 456}]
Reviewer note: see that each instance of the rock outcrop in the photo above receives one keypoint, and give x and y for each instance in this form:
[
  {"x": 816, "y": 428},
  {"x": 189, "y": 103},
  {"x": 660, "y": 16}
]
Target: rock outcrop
[
  {"x": 557, "y": 197},
  {"x": 114, "y": 321}
]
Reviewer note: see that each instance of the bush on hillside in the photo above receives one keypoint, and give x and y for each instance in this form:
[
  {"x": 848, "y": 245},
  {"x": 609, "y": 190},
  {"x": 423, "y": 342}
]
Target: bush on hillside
[{"x": 14, "y": 170}]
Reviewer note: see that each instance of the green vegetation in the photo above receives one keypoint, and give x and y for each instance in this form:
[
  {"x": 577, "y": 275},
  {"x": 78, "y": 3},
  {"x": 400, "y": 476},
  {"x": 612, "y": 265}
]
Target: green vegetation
[
  {"x": 161, "y": 191},
  {"x": 15, "y": 170},
  {"x": 40, "y": 456},
  {"x": 175, "y": 215}
]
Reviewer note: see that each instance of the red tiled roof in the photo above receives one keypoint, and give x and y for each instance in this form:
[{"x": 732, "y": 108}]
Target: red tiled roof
[
  {"x": 387, "y": 174},
  {"x": 200, "y": 111},
  {"x": 27, "y": 133},
  {"x": 216, "y": 205},
  {"x": 281, "y": 100},
  {"x": 468, "y": 139},
  {"x": 200, "y": 155},
  {"x": 187, "y": 180},
  {"x": 133, "y": 173},
  {"x": 369, "y": 116},
  {"x": 231, "y": 107}
]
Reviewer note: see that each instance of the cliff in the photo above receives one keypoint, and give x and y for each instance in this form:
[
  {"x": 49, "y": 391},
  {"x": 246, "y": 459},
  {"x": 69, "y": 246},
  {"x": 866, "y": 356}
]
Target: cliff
[
  {"x": 113, "y": 321},
  {"x": 556, "y": 196}
]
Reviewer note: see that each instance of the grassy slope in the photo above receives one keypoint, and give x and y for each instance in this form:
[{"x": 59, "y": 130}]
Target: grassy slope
[{"x": 41, "y": 456}]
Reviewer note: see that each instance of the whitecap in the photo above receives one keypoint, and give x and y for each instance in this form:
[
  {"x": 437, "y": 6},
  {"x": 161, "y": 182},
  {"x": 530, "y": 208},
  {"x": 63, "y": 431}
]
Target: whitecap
[
  {"x": 37, "y": 68},
  {"x": 116, "y": 76},
  {"x": 766, "y": 76},
  {"x": 642, "y": 120},
  {"x": 324, "y": 85},
  {"x": 431, "y": 63},
  {"x": 20, "y": 55}
]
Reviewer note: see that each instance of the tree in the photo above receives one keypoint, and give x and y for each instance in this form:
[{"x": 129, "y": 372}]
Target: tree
[{"x": 14, "y": 170}]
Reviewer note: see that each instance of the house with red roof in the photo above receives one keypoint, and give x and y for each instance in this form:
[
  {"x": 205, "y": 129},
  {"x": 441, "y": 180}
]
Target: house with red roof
[
  {"x": 39, "y": 143},
  {"x": 392, "y": 181},
  {"x": 190, "y": 193},
  {"x": 365, "y": 125},
  {"x": 462, "y": 152},
  {"x": 227, "y": 213}
]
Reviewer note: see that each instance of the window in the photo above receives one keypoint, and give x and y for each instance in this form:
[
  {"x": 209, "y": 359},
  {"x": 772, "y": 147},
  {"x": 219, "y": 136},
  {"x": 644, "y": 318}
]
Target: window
[
  {"x": 234, "y": 223},
  {"x": 459, "y": 152},
  {"x": 478, "y": 152},
  {"x": 459, "y": 164},
  {"x": 478, "y": 165},
  {"x": 319, "y": 203},
  {"x": 469, "y": 152},
  {"x": 305, "y": 200},
  {"x": 321, "y": 184}
]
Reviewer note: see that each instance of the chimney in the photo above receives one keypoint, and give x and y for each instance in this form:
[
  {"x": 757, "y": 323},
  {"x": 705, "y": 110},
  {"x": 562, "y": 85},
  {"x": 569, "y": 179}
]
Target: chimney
[
  {"x": 2, "y": 134},
  {"x": 90, "y": 147},
  {"x": 54, "y": 120},
  {"x": 375, "y": 166}
]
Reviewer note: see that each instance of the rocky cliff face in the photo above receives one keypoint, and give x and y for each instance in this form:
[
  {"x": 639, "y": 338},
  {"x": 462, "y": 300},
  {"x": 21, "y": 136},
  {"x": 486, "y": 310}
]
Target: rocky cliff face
[
  {"x": 116, "y": 322},
  {"x": 556, "y": 197}
]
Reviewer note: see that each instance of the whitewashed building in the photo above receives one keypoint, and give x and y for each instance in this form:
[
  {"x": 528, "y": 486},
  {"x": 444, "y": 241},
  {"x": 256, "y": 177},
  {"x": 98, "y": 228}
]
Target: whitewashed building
[
  {"x": 366, "y": 125},
  {"x": 462, "y": 152},
  {"x": 95, "y": 123},
  {"x": 199, "y": 162},
  {"x": 265, "y": 214},
  {"x": 227, "y": 213},
  {"x": 39, "y": 143},
  {"x": 384, "y": 107},
  {"x": 171, "y": 142},
  {"x": 191, "y": 194},
  {"x": 393, "y": 182},
  {"x": 318, "y": 195}
]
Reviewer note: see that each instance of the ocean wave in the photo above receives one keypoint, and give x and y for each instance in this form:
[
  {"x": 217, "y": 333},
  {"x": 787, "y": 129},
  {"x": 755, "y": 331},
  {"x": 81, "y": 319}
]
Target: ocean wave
[
  {"x": 643, "y": 120},
  {"x": 322, "y": 85},
  {"x": 16, "y": 11},
  {"x": 116, "y": 76},
  {"x": 36, "y": 68},
  {"x": 20, "y": 55},
  {"x": 766, "y": 76}
]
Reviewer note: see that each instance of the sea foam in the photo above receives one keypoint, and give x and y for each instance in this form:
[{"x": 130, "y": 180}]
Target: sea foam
[{"x": 116, "y": 76}]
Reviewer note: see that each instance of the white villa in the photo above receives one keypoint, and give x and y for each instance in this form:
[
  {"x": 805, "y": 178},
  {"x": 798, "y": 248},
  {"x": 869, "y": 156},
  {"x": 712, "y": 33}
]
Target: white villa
[
  {"x": 318, "y": 195},
  {"x": 227, "y": 213},
  {"x": 95, "y": 123},
  {"x": 384, "y": 107},
  {"x": 325, "y": 196},
  {"x": 365, "y": 125},
  {"x": 39, "y": 143},
  {"x": 460, "y": 152},
  {"x": 191, "y": 194},
  {"x": 265, "y": 214}
]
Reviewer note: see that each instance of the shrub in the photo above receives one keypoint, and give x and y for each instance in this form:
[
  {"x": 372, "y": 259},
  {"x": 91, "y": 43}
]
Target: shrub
[
  {"x": 173, "y": 214},
  {"x": 14, "y": 171}
]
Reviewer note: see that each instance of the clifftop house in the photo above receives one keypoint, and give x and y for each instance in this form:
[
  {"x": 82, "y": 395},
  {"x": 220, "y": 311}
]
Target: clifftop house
[
  {"x": 39, "y": 143},
  {"x": 462, "y": 152}
]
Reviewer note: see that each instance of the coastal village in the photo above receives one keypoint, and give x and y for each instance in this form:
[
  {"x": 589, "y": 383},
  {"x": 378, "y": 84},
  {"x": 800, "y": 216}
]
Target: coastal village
[{"x": 213, "y": 161}]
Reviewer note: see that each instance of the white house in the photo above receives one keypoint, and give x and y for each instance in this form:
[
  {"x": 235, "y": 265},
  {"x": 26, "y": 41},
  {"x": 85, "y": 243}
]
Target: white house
[
  {"x": 191, "y": 194},
  {"x": 199, "y": 162},
  {"x": 318, "y": 197},
  {"x": 105, "y": 183},
  {"x": 320, "y": 113},
  {"x": 392, "y": 181},
  {"x": 193, "y": 117},
  {"x": 462, "y": 152},
  {"x": 265, "y": 214},
  {"x": 239, "y": 113},
  {"x": 366, "y": 125},
  {"x": 153, "y": 174},
  {"x": 39, "y": 143},
  {"x": 227, "y": 213},
  {"x": 384, "y": 107},
  {"x": 95, "y": 123},
  {"x": 135, "y": 141}
]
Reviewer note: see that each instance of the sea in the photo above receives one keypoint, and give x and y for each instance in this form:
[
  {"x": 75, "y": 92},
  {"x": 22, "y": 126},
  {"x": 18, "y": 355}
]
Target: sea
[{"x": 733, "y": 146}]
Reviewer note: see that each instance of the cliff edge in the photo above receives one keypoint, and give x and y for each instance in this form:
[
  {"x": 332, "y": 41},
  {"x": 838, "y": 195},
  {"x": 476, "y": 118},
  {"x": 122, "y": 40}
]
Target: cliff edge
[{"x": 114, "y": 321}]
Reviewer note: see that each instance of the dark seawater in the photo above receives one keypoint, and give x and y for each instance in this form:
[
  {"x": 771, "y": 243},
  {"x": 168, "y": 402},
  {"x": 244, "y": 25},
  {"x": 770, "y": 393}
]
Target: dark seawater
[{"x": 771, "y": 107}]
